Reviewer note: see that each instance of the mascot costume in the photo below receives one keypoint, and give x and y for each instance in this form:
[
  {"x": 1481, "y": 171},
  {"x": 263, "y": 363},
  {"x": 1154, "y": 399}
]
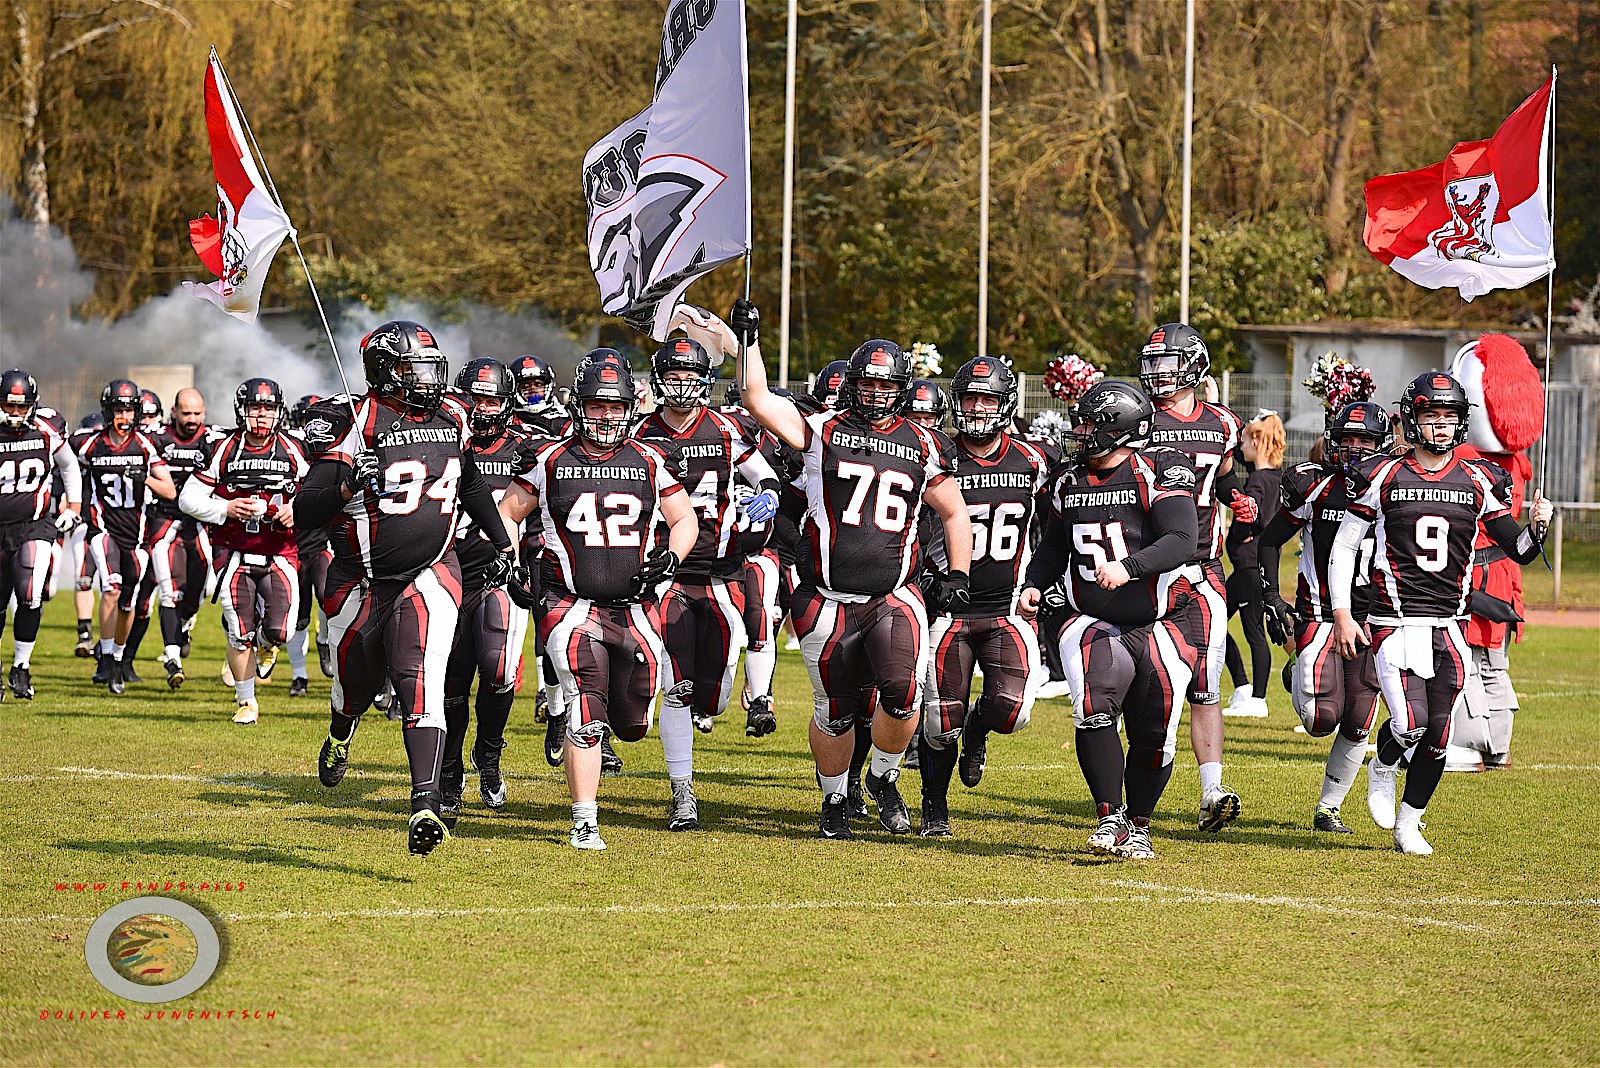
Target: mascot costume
[{"x": 1507, "y": 417}]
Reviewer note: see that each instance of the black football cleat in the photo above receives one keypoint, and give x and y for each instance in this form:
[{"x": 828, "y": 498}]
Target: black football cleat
[
  {"x": 857, "y": 807},
  {"x": 427, "y": 831},
  {"x": 892, "y": 813},
  {"x": 334, "y": 761},
  {"x": 1327, "y": 819},
  {"x": 835, "y": 818},
  {"x": 175, "y": 675},
  {"x": 610, "y": 762},
  {"x": 541, "y": 706},
  {"x": 85, "y": 647},
  {"x": 116, "y": 681},
  {"x": 760, "y": 719},
  {"x": 102, "y": 671},
  {"x": 449, "y": 808},
  {"x": 491, "y": 786},
  {"x": 22, "y": 682},
  {"x": 324, "y": 659},
  {"x": 299, "y": 687},
  {"x": 129, "y": 674},
  {"x": 935, "y": 819},
  {"x": 974, "y": 751},
  {"x": 555, "y": 741}
]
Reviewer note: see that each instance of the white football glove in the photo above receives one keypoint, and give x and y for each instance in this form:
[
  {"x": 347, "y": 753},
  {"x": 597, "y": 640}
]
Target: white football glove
[{"x": 67, "y": 520}]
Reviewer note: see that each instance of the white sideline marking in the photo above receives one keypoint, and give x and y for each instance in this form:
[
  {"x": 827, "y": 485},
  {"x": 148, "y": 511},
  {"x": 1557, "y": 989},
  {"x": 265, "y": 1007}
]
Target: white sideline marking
[{"x": 1303, "y": 903}]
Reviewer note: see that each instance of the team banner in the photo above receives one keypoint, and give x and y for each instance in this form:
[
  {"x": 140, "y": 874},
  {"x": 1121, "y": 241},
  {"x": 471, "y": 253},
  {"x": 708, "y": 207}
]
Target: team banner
[
  {"x": 238, "y": 245},
  {"x": 668, "y": 191},
  {"x": 1478, "y": 220}
]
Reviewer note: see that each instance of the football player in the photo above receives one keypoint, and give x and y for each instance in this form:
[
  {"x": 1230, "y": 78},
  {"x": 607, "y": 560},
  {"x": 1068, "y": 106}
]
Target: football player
[
  {"x": 538, "y": 412},
  {"x": 928, "y": 406},
  {"x": 1172, "y": 365},
  {"x": 1424, "y": 510},
  {"x": 1122, "y": 525},
  {"x": 392, "y": 476},
  {"x": 861, "y": 619},
  {"x": 1001, "y": 478},
  {"x": 119, "y": 463},
  {"x": 490, "y": 629},
  {"x": 151, "y": 413},
  {"x": 180, "y": 546},
  {"x": 34, "y": 451},
  {"x": 312, "y": 546},
  {"x": 77, "y": 547},
  {"x": 702, "y": 612},
  {"x": 825, "y": 390},
  {"x": 602, "y": 498},
  {"x": 1329, "y": 693}
]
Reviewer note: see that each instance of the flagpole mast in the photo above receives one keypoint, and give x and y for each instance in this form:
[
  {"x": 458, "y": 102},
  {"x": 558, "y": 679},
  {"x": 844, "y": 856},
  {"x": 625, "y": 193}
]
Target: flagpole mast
[
  {"x": 293, "y": 234},
  {"x": 1549, "y": 292},
  {"x": 1188, "y": 153},
  {"x": 744, "y": 75},
  {"x": 983, "y": 191},
  {"x": 788, "y": 195}
]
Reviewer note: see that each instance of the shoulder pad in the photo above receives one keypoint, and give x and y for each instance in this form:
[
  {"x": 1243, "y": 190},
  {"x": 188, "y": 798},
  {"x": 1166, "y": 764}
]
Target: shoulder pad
[
  {"x": 1174, "y": 470},
  {"x": 1297, "y": 483},
  {"x": 326, "y": 423}
]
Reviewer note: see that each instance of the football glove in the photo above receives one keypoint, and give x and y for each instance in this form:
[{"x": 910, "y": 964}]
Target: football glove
[
  {"x": 762, "y": 507},
  {"x": 499, "y": 569},
  {"x": 745, "y": 322},
  {"x": 1276, "y": 615},
  {"x": 658, "y": 567},
  {"x": 364, "y": 472},
  {"x": 519, "y": 587},
  {"x": 1054, "y": 599},
  {"x": 1245, "y": 508},
  {"x": 67, "y": 521},
  {"x": 955, "y": 592}
]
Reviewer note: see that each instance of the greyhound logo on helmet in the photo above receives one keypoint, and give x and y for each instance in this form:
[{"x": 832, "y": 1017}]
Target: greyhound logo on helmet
[{"x": 1442, "y": 382}]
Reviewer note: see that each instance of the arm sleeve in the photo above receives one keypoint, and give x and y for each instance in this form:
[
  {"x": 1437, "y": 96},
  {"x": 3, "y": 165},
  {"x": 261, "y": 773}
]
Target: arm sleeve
[
  {"x": 1342, "y": 559},
  {"x": 71, "y": 480},
  {"x": 1278, "y": 532},
  {"x": 202, "y": 502},
  {"x": 1519, "y": 543},
  {"x": 478, "y": 499},
  {"x": 1225, "y": 483},
  {"x": 758, "y": 472},
  {"x": 320, "y": 497},
  {"x": 1177, "y": 531}
]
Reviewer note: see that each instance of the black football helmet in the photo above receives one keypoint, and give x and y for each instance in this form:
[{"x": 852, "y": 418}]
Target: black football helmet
[
  {"x": 991, "y": 376},
  {"x": 420, "y": 387},
  {"x": 681, "y": 354},
  {"x": 488, "y": 377},
  {"x": 927, "y": 399},
  {"x": 1110, "y": 416},
  {"x": 1358, "y": 419},
  {"x": 1174, "y": 358},
  {"x": 831, "y": 379},
  {"x": 119, "y": 395},
  {"x": 603, "y": 375},
  {"x": 534, "y": 379},
  {"x": 302, "y": 410},
  {"x": 18, "y": 387},
  {"x": 254, "y": 391},
  {"x": 880, "y": 361},
  {"x": 150, "y": 409},
  {"x": 92, "y": 421},
  {"x": 1433, "y": 389}
]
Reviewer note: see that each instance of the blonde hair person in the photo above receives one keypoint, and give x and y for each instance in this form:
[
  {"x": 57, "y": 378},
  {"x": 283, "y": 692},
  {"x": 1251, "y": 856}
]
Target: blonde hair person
[{"x": 1261, "y": 444}]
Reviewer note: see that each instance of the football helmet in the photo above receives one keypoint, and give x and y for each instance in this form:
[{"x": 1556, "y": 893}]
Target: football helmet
[
  {"x": 253, "y": 391},
  {"x": 18, "y": 387},
  {"x": 1112, "y": 415},
  {"x": 487, "y": 377},
  {"x": 1174, "y": 358},
  {"x": 603, "y": 375},
  {"x": 400, "y": 341},
  {"x": 681, "y": 354},
  {"x": 1433, "y": 389},
  {"x": 120, "y": 395},
  {"x": 534, "y": 379},
  {"x": 927, "y": 399},
  {"x": 985, "y": 375},
  {"x": 150, "y": 410},
  {"x": 302, "y": 409},
  {"x": 1357, "y": 419},
  {"x": 877, "y": 360},
  {"x": 825, "y": 391}
]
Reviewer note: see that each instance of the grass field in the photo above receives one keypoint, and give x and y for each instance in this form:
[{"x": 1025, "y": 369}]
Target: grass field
[{"x": 752, "y": 942}]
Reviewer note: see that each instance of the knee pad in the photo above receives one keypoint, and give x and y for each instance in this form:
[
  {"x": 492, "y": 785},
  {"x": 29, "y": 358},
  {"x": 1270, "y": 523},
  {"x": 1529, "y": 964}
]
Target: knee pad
[
  {"x": 1098, "y": 721},
  {"x": 896, "y": 713},
  {"x": 1407, "y": 738},
  {"x": 587, "y": 736},
  {"x": 1354, "y": 734},
  {"x": 1020, "y": 721},
  {"x": 453, "y": 704},
  {"x": 940, "y": 739},
  {"x": 822, "y": 716},
  {"x": 680, "y": 695},
  {"x": 1318, "y": 717}
]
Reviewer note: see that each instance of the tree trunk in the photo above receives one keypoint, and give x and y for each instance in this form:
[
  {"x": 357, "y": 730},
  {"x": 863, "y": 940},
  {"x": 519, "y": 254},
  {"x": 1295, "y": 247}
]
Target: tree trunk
[
  {"x": 1336, "y": 203},
  {"x": 35, "y": 178}
]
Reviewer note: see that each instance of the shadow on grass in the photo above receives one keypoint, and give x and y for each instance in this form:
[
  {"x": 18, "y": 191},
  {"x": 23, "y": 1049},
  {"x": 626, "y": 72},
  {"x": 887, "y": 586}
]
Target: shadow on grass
[{"x": 222, "y": 851}]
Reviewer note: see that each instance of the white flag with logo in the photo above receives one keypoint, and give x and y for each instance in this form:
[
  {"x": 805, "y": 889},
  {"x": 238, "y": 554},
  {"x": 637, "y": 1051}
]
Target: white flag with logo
[{"x": 668, "y": 191}]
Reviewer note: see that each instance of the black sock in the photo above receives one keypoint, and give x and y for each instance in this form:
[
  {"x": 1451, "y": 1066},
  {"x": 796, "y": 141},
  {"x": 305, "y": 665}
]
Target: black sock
[
  {"x": 1100, "y": 757},
  {"x": 171, "y": 626},
  {"x": 493, "y": 710},
  {"x": 83, "y": 627},
  {"x": 425, "y": 752},
  {"x": 1422, "y": 778},
  {"x": 136, "y": 633},
  {"x": 26, "y": 628},
  {"x": 455, "y": 734},
  {"x": 858, "y": 759},
  {"x": 341, "y": 727},
  {"x": 1390, "y": 749},
  {"x": 1146, "y": 778},
  {"x": 937, "y": 767}
]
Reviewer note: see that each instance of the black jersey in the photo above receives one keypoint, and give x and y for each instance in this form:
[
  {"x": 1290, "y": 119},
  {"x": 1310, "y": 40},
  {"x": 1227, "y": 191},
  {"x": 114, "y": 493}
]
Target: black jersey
[
  {"x": 270, "y": 472},
  {"x": 864, "y": 488},
  {"x": 1099, "y": 518},
  {"x": 183, "y": 457},
  {"x": 113, "y": 483},
  {"x": 1314, "y": 498},
  {"x": 600, "y": 516},
  {"x": 499, "y": 461},
  {"x": 546, "y": 421},
  {"x": 27, "y": 462},
  {"x": 1425, "y": 524},
  {"x": 709, "y": 454},
  {"x": 1002, "y": 493},
  {"x": 1208, "y": 435},
  {"x": 410, "y": 523}
]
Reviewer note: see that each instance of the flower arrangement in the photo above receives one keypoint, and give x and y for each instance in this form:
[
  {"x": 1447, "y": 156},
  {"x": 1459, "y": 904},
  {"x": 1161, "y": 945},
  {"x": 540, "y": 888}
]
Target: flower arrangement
[
  {"x": 925, "y": 360},
  {"x": 1337, "y": 381},
  {"x": 1069, "y": 377}
]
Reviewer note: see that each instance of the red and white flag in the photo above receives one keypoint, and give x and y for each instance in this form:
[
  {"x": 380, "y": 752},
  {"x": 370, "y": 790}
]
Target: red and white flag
[
  {"x": 238, "y": 245},
  {"x": 1478, "y": 220}
]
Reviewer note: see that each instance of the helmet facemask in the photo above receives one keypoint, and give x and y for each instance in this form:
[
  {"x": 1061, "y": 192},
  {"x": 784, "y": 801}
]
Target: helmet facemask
[
  {"x": 683, "y": 389},
  {"x": 490, "y": 414},
  {"x": 875, "y": 403},
  {"x": 422, "y": 379},
  {"x": 16, "y": 420},
  {"x": 604, "y": 429},
  {"x": 262, "y": 418},
  {"x": 985, "y": 425}
]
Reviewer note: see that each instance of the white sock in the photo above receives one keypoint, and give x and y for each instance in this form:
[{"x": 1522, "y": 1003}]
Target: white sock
[
  {"x": 586, "y": 812},
  {"x": 24, "y": 652},
  {"x": 106, "y": 645},
  {"x": 835, "y": 784},
  {"x": 759, "y": 664},
  {"x": 297, "y": 654},
  {"x": 1408, "y": 817},
  {"x": 677, "y": 739},
  {"x": 556, "y": 702},
  {"x": 245, "y": 690},
  {"x": 1344, "y": 761},
  {"x": 1210, "y": 776},
  {"x": 883, "y": 763},
  {"x": 172, "y": 654},
  {"x": 117, "y": 650}
]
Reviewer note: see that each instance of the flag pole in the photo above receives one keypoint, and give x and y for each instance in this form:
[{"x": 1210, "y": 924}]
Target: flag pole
[
  {"x": 788, "y": 195},
  {"x": 1188, "y": 153},
  {"x": 983, "y": 190},
  {"x": 1549, "y": 303},
  {"x": 293, "y": 235}
]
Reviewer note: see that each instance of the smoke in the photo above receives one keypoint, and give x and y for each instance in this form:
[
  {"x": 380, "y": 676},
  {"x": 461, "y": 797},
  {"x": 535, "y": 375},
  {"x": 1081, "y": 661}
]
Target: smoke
[{"x": 42, "y": 281}]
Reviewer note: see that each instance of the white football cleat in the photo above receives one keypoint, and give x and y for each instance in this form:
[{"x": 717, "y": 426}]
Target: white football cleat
[
  {"x": 586, "y": 836},
  {"x": 1408, "y": 834},
  {"x": 1380, "y": 792},
  {"x": 1218, "y": 808},
  {"x": 248, "y": 711}
]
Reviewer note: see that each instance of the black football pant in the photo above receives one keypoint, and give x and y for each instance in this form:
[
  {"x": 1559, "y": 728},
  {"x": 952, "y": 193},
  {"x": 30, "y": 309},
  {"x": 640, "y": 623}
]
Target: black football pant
[{"x": 490, "y": 631}]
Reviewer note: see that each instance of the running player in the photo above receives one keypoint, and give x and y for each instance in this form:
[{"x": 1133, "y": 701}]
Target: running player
[
  {"x": 1424, "y": 509},
  {"x": 1121, "y": 528},
  {"x": 246, "y": 490},
  {"x": 77, "y": 551},
  {"x": 392, "y": 477},
  {"x": 602, "y": 498},
  {"x": 1172, "y": 365},
  {"x": 311, "y": 544},
  {"x": 702, "y": 612},
  {"x": 34, "y": 450}
]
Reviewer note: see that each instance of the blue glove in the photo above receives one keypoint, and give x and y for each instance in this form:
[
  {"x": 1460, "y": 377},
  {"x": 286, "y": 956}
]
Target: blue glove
[{"x": 762, "y": 507}]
